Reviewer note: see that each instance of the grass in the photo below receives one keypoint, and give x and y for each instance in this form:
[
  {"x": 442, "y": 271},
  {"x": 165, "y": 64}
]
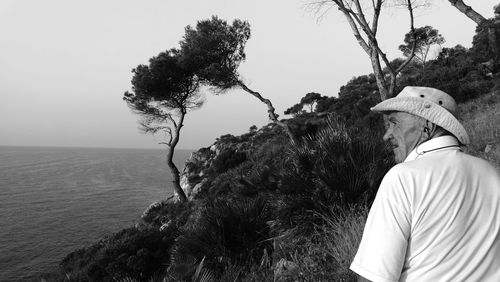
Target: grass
[
  {"x": 326, "y": 254},
  {"x": 481, "y": 119}
]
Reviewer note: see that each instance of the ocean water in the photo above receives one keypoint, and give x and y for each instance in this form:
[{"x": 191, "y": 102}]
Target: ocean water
[{"x": 56, "y": 200}]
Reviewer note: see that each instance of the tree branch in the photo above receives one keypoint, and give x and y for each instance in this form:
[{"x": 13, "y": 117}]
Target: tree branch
[
  {"x": 354, "y": 28},
  {"x": 468, "y": 11},
  {"x": 376, "y": 15},
  {"x": 362, "y": 19}
]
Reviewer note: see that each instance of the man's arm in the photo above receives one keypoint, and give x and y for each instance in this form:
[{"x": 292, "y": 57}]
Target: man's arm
[{"x": 382, "y": 251}]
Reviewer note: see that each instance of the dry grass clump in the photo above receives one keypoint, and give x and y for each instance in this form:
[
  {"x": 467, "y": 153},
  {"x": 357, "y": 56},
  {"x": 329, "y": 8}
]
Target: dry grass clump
[
  {"x": 327, "y": 254},
  {"x": 481, "y": 119}
]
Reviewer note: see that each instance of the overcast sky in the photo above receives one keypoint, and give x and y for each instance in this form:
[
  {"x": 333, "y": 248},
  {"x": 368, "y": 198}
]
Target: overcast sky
[{"x": 64, "y": 65}]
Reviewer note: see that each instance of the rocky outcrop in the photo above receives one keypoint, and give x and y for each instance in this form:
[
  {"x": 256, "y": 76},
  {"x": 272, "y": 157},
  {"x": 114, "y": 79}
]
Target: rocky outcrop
[{"x": 202, "y": 165}]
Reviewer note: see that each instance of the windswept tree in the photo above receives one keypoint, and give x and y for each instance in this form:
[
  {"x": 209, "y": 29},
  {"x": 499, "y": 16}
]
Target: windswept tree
[
  {"x": 424, "y": 38},
  {"x": 363, "y": 18},
  {"x": 310, "y": 100},
  {"x": 162, "y": 94},
  {"x": 214, "y": 50}
]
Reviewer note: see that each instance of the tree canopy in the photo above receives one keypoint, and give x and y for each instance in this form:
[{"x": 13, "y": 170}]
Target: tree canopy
[
  {"x": 214, "y": 49},
  {"x": 424, "y": 38},
  {"x": 311, "y": 99}
]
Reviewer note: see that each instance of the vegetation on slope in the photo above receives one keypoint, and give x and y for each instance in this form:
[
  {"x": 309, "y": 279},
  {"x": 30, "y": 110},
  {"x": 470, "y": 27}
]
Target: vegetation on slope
[{"x": 264, "y": 209}]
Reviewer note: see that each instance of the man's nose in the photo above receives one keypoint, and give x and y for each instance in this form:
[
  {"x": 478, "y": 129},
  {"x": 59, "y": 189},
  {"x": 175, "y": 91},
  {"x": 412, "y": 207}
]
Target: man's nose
[{"x": 387, "y": 135}]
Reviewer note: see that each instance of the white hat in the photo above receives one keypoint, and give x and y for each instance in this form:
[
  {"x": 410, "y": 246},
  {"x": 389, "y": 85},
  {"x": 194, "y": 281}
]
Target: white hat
[{"x": 432, "y": 104}]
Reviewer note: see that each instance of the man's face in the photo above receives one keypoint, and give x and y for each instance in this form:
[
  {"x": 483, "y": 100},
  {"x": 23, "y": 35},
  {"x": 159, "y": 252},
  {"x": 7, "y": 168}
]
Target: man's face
[{"x": 404, "y": 132}]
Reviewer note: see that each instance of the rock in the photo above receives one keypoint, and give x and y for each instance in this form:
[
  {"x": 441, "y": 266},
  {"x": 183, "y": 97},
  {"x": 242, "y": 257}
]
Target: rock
[
  {"x": 165, "y": 225},
  {"x": 286, "y": 271},
  {"x": 488, "y": 148},
  {"x": 150, "y": 209},
  {"x": 186, "y": 187},
  {"x": 197, "y": 188}
]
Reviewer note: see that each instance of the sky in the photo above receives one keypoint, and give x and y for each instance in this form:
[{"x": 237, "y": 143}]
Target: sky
[{"x": 65, "y": 64}]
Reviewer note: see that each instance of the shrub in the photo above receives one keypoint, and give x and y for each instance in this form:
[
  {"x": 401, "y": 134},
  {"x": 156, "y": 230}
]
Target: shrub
[
  {"x": 481, "y": 118},
  {"x": 327, "y": 254},
  {"x": 132, "y": 253},
  {"x": 227, "y": 160},
  {"x": 347, "y": 164},
  {"x": 226, "y": 233},
  {"x": 161, "y": 213}
]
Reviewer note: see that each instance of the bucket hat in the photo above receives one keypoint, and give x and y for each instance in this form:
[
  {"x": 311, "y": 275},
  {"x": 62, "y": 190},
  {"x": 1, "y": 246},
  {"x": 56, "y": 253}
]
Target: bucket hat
[{"x": 432, "y": 104}]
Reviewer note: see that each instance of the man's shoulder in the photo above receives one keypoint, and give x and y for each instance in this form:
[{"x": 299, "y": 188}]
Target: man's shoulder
[
  {"x": 407, "y": 168},
  {"x": 439, "y": 162}
]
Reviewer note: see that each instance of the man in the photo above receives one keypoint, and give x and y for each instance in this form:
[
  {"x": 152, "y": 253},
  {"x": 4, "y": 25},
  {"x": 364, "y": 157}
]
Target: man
[{"x": 436, "y": 216}]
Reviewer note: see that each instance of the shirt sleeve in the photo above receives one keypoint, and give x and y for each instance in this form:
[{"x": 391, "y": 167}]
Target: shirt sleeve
[{"x": 382, "y": 251}]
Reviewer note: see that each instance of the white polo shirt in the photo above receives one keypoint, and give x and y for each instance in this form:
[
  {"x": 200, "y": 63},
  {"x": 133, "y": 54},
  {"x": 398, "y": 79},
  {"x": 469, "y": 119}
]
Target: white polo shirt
[{"x": 436, "y": 217}]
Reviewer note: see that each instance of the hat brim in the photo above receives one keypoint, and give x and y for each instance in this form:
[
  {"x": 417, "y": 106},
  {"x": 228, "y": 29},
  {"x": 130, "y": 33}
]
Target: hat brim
[{"x": 428, "y": 110}]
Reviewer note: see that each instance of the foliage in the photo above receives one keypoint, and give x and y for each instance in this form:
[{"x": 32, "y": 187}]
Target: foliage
[
  {"x": 486, "y": 42},
  {"x": 456, "y": 72},
  {"x": 138, "y": 254},
  {"x": 354, "y": 103},
  {"x": 227, "y": 160},
  {"x": 258, "y": 172},
  {"x": 295, "y": 110},
  {"x": 310, "y": 100},
  {"x": 167, "y": 213},
  {"x": 214, "y": 50},
  {"x": 226, "y": 233},
  {"x": 481, "y": 118},
  {"x": 162, "y": 89},
  {"x": 344, "y": 165},
  {"x": 424, "y": 38},
  {"x": 327, "y": 254}
]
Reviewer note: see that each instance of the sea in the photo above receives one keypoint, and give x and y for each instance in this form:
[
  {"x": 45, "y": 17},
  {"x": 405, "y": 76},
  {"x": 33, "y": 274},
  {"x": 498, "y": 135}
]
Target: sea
[{"x": 56, "y": 200}]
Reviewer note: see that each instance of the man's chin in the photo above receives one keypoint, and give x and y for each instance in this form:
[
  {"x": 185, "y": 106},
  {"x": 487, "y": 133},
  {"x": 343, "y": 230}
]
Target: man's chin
[{"x": 398, "y": 157}]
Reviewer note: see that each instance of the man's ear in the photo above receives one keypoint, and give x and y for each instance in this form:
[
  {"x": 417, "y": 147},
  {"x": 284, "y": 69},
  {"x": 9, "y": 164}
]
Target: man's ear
[{"x": 429, "y": 129}]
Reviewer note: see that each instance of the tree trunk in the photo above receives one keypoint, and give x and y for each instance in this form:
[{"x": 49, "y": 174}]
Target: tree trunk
[
  {"x": 358, "y": 22},
  {"x": 176, "y": 174},
  {"x": 173, "y": 168},
  {"x": 271, "y": 111},
  {"x": 379, "y": 75}
]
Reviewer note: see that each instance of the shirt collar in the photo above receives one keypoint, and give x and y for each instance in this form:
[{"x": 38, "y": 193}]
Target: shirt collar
[{"x": 438, "y": 143}]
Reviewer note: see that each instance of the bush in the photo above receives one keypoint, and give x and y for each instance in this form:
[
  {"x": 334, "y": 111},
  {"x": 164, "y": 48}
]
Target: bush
[
  {"x": 347, "y": 164},
  {"x": 457, "y": 71},
  {"x": 340, "y": 166},
  {"x": 327, "y": 254},
  {"x": 481, "y": 118},
  {"x": 175, "y": 214},
  {"x": 226, "y": 233},
  {"x": 132, "y": 253},
  {"x": 227, "y": 160}
]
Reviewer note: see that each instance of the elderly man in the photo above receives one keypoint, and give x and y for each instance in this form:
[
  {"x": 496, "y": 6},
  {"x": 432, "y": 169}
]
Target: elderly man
[{"x": 436, "y": 216}]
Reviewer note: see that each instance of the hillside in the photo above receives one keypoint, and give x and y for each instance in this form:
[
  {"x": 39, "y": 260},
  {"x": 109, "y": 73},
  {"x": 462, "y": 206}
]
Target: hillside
[{"x": 264, "y": 209}]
